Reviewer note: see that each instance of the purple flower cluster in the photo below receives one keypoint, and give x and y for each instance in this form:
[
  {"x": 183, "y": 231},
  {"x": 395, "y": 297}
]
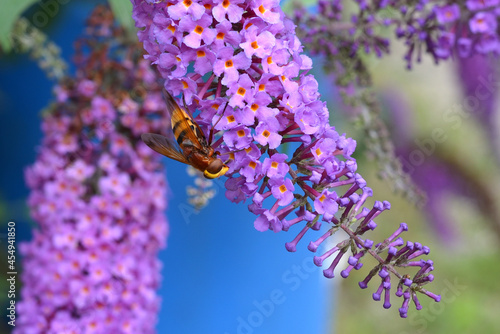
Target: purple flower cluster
[
  {"x": 98, "y": 195},
  {"x": 469, "y": 28},
  {"x": 328, "y": 31},
  {"x": 440, "y": 28},
  {"x": 444, "y": 28},
  {"x": 250, "y": 80},
  {"x": 342, "y": 42}
]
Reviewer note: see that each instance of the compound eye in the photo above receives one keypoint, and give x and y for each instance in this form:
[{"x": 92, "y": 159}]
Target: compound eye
[
  {"x": 215, "y": 166},
  {"x": 215, "y": 169}
]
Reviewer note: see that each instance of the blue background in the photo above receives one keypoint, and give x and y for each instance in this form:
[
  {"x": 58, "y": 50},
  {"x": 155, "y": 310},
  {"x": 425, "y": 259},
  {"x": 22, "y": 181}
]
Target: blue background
[{"x": 220, "y": 275}]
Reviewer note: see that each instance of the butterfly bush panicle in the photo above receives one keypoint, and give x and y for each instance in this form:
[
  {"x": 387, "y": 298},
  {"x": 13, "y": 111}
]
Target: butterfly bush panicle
[
  {"x": 98, "y": 195},
  {"x": 439, "y": 28},
  {"x": 341, "y": 36},
  {"x": 465, "y": 30},
  {"x": 250, "y": 79}
]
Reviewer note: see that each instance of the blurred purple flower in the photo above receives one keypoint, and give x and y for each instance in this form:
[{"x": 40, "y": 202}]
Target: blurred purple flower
[
  {"x": 477, "y": 75},
  {"x": 474, "y": 5},
  {"x": 483, "y": 22},
  {"x": 437, "y": 28},
  {"x": 98, "y": 200},
  {"x": 447, "y": 14},
  {"x": 440, "y": 175}
]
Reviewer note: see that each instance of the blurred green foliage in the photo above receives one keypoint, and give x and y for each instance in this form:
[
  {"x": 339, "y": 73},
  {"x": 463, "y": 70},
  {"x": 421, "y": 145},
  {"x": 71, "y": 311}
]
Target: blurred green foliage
[
  {"x": 466, "y": 269},
  {"x": 11, "y": 10}
]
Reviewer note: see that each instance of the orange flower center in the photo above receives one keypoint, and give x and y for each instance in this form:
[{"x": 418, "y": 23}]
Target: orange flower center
[{"x": 198, "y": 30}]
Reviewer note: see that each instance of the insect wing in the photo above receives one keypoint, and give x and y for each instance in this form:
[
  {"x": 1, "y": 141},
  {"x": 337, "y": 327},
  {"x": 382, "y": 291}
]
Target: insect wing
[
  {"x": 185, "y": 128},
  {"x": 164, "y": 145}
]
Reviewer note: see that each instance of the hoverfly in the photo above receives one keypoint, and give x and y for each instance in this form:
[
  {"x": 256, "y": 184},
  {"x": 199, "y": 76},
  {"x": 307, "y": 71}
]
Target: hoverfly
[{"x": 192, "y": 147}]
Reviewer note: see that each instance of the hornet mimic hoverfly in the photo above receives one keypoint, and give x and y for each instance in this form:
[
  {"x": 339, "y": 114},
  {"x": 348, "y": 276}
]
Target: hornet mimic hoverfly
[{"x": 192, "y": 147}]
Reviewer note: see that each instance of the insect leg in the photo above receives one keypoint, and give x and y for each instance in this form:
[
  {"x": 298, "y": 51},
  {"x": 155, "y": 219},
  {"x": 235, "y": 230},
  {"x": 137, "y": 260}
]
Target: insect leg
[
  {"x": 210, "y": 136},
  {"x": 230, "y": 153}
]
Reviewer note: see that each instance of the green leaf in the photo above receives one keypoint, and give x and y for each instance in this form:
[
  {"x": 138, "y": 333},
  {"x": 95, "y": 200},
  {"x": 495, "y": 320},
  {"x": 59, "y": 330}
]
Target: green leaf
[
  {"x": 288, "y": 6},
  {"x": 122, "y": 9},
  {"x": 11, "y": 10}
]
